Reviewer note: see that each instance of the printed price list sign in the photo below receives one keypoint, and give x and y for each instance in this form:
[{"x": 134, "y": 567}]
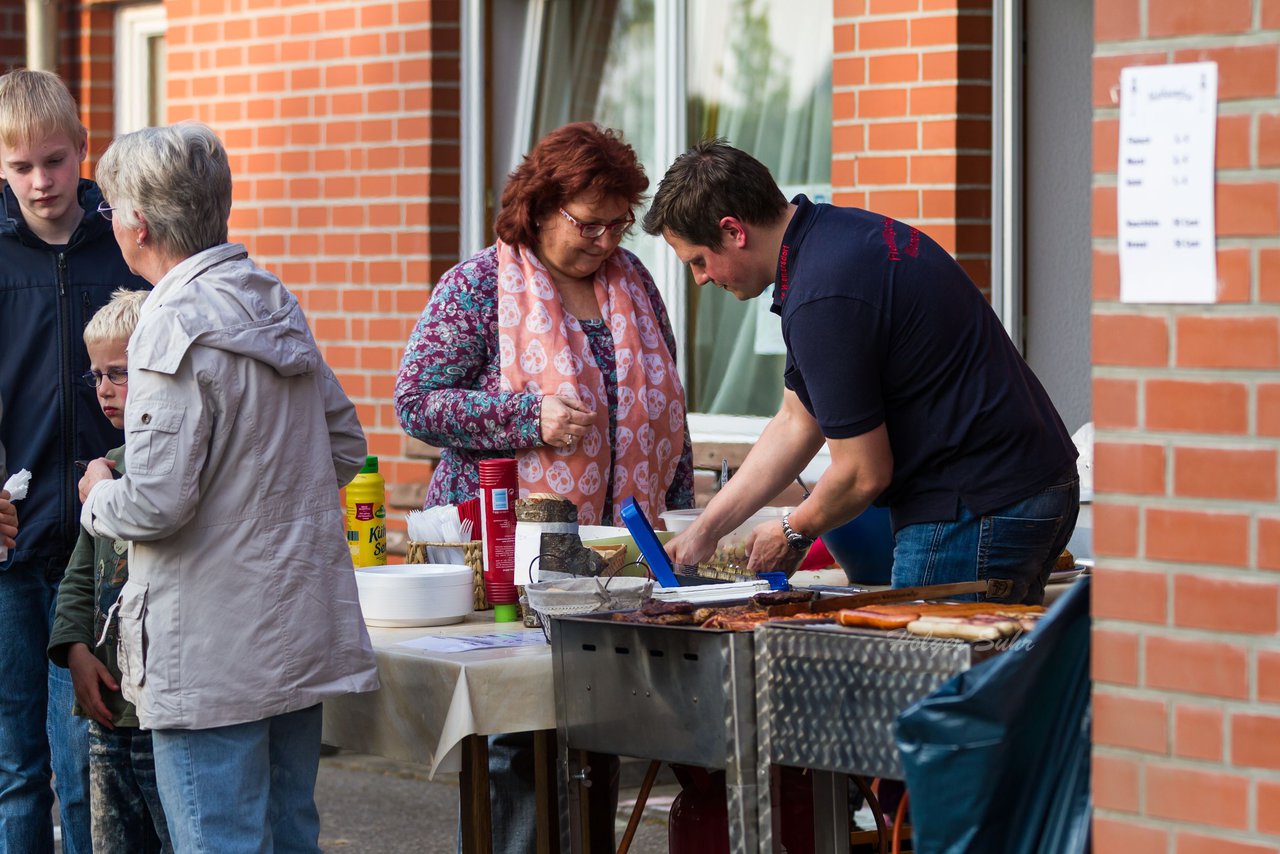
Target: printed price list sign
[{"x": 1168, "y": 117}]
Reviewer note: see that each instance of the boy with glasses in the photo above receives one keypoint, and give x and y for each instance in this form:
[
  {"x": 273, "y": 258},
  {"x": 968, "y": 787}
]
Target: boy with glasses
[
  {"x": 127, "y": 817},
  {"x": 59, "y": 262}
]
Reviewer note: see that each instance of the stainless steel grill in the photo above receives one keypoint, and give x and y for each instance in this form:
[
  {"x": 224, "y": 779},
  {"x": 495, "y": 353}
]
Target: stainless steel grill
[{"x": 675, "y": 693}]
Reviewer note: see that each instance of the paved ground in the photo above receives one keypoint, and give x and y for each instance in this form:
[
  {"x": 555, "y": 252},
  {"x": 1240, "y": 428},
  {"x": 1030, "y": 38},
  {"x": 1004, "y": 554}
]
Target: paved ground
[{"x": 370, "y": 805}]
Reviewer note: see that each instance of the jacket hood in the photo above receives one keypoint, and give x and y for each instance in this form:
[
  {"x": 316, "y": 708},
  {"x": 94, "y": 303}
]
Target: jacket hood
[
  {"x": 220, "y": 299},
  {"x": 14, "y": 224}
]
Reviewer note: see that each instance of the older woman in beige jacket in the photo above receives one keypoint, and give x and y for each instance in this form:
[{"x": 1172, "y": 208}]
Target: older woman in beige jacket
[{"x": 240, "y": 614}]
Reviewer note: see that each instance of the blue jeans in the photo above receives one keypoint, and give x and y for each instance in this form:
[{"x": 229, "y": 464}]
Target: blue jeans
[
  {"x": 37, "y": 729},
  {"x": 242, "y": 789},
  {"x": 127, "y": 816},
  {"x": 1015, "y": 546}
]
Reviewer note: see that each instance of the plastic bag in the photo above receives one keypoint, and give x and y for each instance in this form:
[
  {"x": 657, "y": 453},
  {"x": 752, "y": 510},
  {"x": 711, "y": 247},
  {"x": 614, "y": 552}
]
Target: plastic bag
[{"x": 997, "y": 759}]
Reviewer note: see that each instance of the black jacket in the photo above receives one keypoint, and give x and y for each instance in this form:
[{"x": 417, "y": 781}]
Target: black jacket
[{"x": 51, "y": 418}]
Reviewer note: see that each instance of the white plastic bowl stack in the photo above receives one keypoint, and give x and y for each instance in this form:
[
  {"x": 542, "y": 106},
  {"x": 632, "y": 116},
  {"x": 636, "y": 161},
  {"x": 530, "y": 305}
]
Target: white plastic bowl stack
[{"x": 414, "y": 594}]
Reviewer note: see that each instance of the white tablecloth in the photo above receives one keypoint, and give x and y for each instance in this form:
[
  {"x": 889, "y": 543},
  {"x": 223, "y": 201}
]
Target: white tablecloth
[{"x": 430, "y": 701}]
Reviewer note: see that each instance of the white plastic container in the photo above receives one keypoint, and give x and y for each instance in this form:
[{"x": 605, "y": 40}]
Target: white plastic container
[
  {"x": 732, "y": 546},
  {"x": 414, "y": 594}
]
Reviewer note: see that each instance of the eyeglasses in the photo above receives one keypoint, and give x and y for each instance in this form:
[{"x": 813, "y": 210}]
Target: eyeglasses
[
  {"x": 105, "y": 209},
  {"x": 118, "y": 376},
  {"x": 592, "y": 230}
]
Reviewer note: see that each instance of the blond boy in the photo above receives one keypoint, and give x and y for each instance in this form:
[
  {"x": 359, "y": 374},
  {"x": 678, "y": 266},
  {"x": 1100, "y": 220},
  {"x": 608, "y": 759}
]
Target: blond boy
[{"x": 59, "y": 263}]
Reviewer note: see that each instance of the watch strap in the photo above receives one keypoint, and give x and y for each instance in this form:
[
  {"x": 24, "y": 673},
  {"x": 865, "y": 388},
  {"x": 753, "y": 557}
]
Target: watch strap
[{"x": 798, "y": 541}]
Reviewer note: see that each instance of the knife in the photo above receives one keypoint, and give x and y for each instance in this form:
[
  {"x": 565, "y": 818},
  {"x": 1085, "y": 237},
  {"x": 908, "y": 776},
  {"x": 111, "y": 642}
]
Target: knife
[{"x": 879, "y": 597}]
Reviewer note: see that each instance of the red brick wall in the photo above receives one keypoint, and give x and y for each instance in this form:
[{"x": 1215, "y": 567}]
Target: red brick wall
[
  {"x": 86, "y": 61},
  {"x": 13, "y": 34},
  {"x": 912, "y": 118},
  {"x": 342, "y": 122},
  {"x": 1187, "y": 407}
]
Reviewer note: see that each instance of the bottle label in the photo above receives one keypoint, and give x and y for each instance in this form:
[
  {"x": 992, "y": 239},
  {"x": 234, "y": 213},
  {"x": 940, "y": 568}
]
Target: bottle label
[
  {"x": 499, "y": 500},
  {"x": 364, "y": 512}
]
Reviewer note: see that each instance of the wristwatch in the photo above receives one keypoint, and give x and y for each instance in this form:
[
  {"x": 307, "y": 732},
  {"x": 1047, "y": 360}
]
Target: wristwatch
[{"x": 798, "y": 541}]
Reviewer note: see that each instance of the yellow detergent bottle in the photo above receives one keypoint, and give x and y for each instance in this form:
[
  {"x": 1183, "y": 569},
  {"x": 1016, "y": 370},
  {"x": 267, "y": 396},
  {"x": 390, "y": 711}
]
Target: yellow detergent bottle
[{"x": 367, "y": 516}]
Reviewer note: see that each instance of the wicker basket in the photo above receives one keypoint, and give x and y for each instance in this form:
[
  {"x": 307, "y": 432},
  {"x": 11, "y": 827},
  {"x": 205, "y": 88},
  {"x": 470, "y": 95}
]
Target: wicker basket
[
  {"x": 472, "y": 555},
  {"x": 615, "y": 557}
]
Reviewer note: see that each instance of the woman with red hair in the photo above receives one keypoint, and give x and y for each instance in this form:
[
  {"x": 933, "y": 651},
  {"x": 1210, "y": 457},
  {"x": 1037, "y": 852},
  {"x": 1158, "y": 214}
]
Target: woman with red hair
[{"x": 553, "y": 346}]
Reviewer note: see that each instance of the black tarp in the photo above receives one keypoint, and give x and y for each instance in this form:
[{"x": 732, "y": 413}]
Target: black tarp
[{"x": 997, "y": 759}]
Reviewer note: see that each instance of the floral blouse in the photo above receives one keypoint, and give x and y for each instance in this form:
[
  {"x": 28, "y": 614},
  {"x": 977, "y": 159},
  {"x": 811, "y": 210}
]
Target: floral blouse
[{"x": 447, "y": 393}]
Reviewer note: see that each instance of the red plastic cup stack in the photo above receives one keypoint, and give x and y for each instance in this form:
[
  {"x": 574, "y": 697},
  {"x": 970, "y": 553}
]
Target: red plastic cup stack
[{"x": 498, "y": 493}]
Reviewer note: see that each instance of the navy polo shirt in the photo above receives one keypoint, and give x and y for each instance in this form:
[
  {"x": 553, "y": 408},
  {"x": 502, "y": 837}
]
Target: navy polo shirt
[{"x": 882, "y": 326}]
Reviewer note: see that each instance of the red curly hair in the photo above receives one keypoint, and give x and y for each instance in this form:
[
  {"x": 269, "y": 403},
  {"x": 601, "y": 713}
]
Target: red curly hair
[{"x": 578, "y": 159}]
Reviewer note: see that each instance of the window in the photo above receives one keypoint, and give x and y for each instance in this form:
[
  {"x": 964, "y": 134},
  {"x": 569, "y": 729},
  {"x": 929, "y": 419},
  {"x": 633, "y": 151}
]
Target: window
[
  {"x": 140, "y": 67},
  {"x": 756, "y": 72}
]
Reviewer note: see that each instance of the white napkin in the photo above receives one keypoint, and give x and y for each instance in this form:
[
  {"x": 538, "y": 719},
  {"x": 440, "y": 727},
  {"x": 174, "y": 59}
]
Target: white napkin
[
  {"x": 16, "y": 486},
  {"x": 437, "y": 525}
]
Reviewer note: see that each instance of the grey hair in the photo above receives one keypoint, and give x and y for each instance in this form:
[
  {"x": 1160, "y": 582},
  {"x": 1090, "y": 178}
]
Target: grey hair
[
  {"x": 177, "y": 178},
  {"x": 116, "y": 320}
]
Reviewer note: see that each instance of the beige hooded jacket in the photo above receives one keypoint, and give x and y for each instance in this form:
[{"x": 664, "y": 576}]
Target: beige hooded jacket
[{"x": 241, "y": 602}]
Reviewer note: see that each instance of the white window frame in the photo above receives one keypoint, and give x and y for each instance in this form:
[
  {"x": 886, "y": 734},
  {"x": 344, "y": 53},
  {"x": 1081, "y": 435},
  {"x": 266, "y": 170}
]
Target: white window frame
[
  {"x": 671, "y": 76},
  {"x": 135, "y": 26}
]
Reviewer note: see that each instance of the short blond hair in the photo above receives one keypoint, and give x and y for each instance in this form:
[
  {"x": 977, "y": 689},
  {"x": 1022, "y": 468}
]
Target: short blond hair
[
  {"x": 116, "y": 320},
  {"x": 35, "y": 105}
]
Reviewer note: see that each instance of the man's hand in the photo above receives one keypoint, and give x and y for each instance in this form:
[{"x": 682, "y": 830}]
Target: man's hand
[
  {"x": 769, "y": 551},
  {"x": 693, "y": 545},
  {"x": 99, "y": 469},
  {"x": 564, "y": 420},
  {"x": 87, "y": 673},
  {"x": 8, "y": 520}
]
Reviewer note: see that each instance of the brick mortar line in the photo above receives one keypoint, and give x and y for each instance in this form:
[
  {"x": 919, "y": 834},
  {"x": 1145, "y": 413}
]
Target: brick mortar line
[
  {"x": 317, "y": 9},
  {"x": 1252, "y": 773},
  {"x": 1215, "y": 506},
  {"x": 1260, "y": 175},
  {"x": 924, "y": 152},
  {"x": 909, "y": 50},
  {"x": 1176, "y": 310},
  {"x": 915, "y": 16},
  {"x": 1259, "y": 37},
  {"x": 1180, "y": 373},
  {"x": 1214, "y": 831},
  {"x": 1191, "y": 633}
]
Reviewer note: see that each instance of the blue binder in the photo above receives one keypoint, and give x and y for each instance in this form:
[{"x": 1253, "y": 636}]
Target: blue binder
[{"x": 647, "y": 541}]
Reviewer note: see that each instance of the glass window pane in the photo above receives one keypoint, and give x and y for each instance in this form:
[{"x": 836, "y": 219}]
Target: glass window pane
[
  {"x": 597, "y": 65},
  {"x": 767, "y": 90},
  {"x": 156, "y": 81},
  {"x": 764, "y": 83}
]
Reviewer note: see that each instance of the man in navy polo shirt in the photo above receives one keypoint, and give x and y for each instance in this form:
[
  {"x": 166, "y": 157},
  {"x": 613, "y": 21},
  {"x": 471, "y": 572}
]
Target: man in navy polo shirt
[{"x": 898, "y": 363}]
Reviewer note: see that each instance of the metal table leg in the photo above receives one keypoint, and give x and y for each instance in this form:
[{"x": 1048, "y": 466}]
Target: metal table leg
[{"x": 830, "y": 813}]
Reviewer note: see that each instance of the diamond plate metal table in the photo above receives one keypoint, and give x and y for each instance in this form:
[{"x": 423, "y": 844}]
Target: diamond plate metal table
[{"x": 826, "y": 699}]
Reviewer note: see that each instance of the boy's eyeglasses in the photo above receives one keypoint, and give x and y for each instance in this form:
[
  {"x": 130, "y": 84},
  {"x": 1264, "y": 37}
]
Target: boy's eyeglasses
[
  {"x": 592, "y": 230},
  {"x": 105, "y": 209},
  {"x": 118, "y": 376}
]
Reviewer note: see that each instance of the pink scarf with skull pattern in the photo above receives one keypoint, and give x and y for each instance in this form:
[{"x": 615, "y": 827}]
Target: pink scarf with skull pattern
[{"x": 544, "y": 350}]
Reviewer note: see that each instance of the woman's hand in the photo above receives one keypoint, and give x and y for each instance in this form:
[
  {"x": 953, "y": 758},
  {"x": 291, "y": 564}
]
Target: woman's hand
[
  {"x": 564, "y": 419},
  {"x": 87, "y": 672},
  {"x": 99, "y": 469},
  {"x": 769, "y": 551},
  {"x": 8, "y": 520}
]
